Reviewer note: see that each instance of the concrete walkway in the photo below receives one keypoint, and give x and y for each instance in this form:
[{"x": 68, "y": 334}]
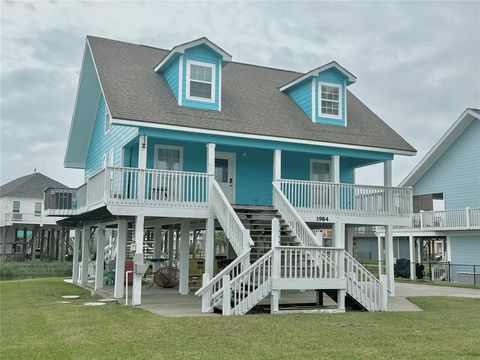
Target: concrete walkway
[{"x": 403, "y": 290}]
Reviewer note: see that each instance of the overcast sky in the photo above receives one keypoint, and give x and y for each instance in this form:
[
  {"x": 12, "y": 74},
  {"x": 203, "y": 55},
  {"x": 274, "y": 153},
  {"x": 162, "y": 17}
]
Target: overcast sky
[{"x": 417, "y": 64}]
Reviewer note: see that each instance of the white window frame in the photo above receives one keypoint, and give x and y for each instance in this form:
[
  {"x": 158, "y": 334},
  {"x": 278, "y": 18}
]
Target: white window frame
[
  {"x": 16, "y": 211},
  {"x": 41, "y": 208},
  {"x": 169, "y": 147},
  {"x": 108, "y": 121},
  {"x": 320, "y": 161},
  {"x": 340, "y": 100},
  {"x": 212, "y": 94}
]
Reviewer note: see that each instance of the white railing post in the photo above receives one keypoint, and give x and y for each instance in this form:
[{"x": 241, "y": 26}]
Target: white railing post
[
  {"x": 421, "y": 219},
  {"x": 276, "y": 263},
  {"x": 107, "y": 184},
  {"x": 226, "y": 301},
  {"x": 383, "y": 292},
  {"x": 467, "y": 214},
  {"x": 207, "y": 296}
]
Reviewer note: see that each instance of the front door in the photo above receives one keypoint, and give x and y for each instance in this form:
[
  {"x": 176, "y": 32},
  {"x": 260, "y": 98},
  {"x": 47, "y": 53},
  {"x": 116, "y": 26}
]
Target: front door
[
  {"x": 321, "y": 195},
  {"x": 225, "y": 173}
]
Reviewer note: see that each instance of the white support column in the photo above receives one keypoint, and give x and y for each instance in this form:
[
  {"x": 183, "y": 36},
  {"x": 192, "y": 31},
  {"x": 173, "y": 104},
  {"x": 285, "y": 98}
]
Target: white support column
[
  {"x": 275, "y": 298},
  {"x": 157, "y": 246},
  {"x": 184, "y": 258},
  {"x": 121, "y": 250},
  {"x": 387, "y": 173},
  {"x": 339, "y": 241},
  {"x": 411, "y": 243},
  {"x": 210, "y": 245},
  {"x": 100, "y": 258},
  {"x": 349, "y": 239},
  {"x": 138, "y": 261},
  {"x": 389, "y": 259},
  {"x": 142, "y": 164},
  {"x": 336, "y": 168},
  {"x": 380, "y": 254},
  {"x": 76, "y": 250},
  {"x": 211, "y": 158},
  {"x": 85, "y": 253},
  {"x": 170, "y": 245},
  {"x": 277, "y": 165}
]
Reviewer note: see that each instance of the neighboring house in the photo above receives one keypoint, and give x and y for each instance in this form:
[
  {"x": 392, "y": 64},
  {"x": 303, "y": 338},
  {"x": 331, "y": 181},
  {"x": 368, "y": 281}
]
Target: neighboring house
[
  {"x": 187, "y": 136},
  {"x": 23, "y": 223},
  {"x": 446, "y": 203}
]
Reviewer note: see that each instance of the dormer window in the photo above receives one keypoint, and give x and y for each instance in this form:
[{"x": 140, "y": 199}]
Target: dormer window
[
  {"x": 200, "y": 81},
  {"x": 330, "y": 100}
]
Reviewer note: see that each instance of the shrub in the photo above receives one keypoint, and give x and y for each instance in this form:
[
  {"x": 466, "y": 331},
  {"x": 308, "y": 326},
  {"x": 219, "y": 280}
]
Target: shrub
[{"x": 34, "y": 269}]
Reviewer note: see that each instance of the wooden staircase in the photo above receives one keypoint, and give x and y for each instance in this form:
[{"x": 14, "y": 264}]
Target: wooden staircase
[{"x": 258, "y": 220}]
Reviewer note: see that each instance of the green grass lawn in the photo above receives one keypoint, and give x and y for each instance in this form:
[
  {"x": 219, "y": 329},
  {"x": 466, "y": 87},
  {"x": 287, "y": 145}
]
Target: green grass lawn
[{"x": 34, "y": 326}]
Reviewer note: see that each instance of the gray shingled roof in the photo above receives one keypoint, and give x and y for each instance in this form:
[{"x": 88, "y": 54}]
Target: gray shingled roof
[
  {"x": 251, "y": 101},
  {"x": 31, "y": 186}
]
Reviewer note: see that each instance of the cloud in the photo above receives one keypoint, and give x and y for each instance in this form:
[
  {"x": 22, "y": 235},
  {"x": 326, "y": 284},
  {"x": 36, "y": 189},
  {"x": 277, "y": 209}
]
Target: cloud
[{"x": 417, "y": 63}]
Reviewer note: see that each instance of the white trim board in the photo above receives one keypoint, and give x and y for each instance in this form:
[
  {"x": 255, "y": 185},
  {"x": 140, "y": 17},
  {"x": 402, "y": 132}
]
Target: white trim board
[
  {"x": 352, "y": 78},
  {"x": 125, "y": 122},
  {"x": 181, "y": 50}
]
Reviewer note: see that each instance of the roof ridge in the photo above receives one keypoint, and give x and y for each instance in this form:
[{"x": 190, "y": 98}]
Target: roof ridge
[{"x": 168, "y": 50}]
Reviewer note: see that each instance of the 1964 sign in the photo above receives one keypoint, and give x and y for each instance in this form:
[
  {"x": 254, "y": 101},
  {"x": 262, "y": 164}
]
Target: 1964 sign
[{"x": 322, "y": 218}]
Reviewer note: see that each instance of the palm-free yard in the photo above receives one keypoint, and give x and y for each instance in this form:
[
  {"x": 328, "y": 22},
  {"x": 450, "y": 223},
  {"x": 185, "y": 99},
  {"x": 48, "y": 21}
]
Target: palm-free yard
[{"x": 35, "y": 326}]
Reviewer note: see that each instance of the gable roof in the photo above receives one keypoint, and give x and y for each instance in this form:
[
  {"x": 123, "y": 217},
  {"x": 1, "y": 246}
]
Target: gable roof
[
  {"x": 251, "y": 101},
  {"x": 351, "y": 78},
  {"x": 441, "y": 146},
  {"x": 180, "y": 49},
  {"x": 31, "y": 186}
]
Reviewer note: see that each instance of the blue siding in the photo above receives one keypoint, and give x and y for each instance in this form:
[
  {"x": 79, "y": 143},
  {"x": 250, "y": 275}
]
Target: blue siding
[
  {"x": 332, "y": 76},
  {"x": 457, "y": 172},
  {"x": 302, "y": 95},
  {"x": 204, "y": 54},
  {"x": 171, "y": 76},
  {"x": 101, "y": 143},
  {"x": 465, "y": 250}
]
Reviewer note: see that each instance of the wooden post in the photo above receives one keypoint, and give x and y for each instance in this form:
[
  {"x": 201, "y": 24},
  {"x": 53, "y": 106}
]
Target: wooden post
[
  {"x": 389, "y": 259},
  {"x": 210, "y": 245},
  {"x": 100, "y": 259},
  {"x": 277, "y": 165},
  {"x": 184, "y": 258},
  {"x": 411, "y": 243},
  {"x": 157, "y": 246},
  {"x": 339, "y": 240},
  {"x": 76, "y": 250},
  {"x": 275, "y": 298},
  {"x": 121, "y": 247},
  {"x": 138, "y": 260},
  {"x": 170, "y": 245},
  {"x": 226, "y": 301},
  {"x": 85, "y": 253},
  {"x": 142, "y": 164}
]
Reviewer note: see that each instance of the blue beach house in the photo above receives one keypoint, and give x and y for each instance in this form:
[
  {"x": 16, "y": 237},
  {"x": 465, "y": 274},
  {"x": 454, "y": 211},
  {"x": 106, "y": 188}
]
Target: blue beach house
[{"x": 188, "y": 139}]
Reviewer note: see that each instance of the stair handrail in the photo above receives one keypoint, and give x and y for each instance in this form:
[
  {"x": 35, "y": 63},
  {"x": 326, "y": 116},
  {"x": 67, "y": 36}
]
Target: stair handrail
[
  {"x": 370, "y": 297},
  {"x": 295, "y": 221},
  {"x": 233, "y": 269},
  {"x": 241, "y": 293},
  {"x": 237, "y": 234}
]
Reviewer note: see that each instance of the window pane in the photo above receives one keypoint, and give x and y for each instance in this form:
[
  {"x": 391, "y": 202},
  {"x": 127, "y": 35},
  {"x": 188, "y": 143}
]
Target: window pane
[
  {"x": 221, "y": 170},
  {"x": 320, "y": 171},
  {"x": 38, "y": 208},
  {"x": 201, "y": 73},
  {"x": 201, "y": 90},
  {"x": 16, "y": 206},
  {"x": 168, "y": 159}
]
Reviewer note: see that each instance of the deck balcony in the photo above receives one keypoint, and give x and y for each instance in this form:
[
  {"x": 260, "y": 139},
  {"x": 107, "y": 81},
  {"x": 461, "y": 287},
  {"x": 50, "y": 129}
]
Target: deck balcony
[
  {"x": 119, "y": 189},
  {"x": 27, "y": 218},
  {"x": 331, "y": 202},
  {"x": 448, "y": 220}
]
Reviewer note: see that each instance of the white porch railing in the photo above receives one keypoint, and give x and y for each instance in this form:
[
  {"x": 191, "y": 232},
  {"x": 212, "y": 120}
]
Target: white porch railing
[
  {"x": 456, "y": 219},
  {"x": 135, "y": 187},
  {"x": 237, "y": 235},
  {"x": 347, "y": 199},
  {"x": 300, "y": 262},
  {"x": 215, "y": 285}
]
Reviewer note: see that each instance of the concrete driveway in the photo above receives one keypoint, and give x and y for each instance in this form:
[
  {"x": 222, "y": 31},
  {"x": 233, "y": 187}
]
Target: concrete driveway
[{"x": 403, "y": 290}]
